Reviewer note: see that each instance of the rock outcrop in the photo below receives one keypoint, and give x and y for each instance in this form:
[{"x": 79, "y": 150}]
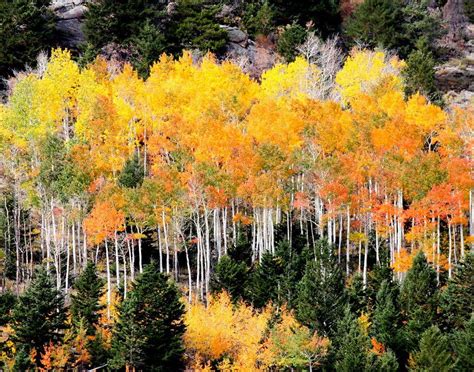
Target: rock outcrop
[
  {"x": 70, "y": 14},
  {"x": 456, "y": 77}
]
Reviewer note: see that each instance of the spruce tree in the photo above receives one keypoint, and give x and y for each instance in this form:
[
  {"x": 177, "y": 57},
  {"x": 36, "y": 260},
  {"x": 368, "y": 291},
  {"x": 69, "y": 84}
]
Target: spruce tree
[
  {"x": 419, "y": 73},
  {"x": 26, "y": 28},
  {"x": 433, "y": 353},
  {"x": 7, "y": 303},
  {"x": 132, "y": 173},
  {"x": 85, "y": 305},
  {"x": 356, "y": 294},
  {"x": 457, "y": 300},
  {"x": 418, "y": 300},
  {"x": 231, "y": 276},
  {"x": 39, "y": 315},
  {"x": 386, "y": 322},
  {"x": 108, "y": 21},
  {"x": 463, "y": 345},
  {"x": 377, "y": 23},
  {"x": 321, "y": 296},
  {"x": 351, "y": 345},
  {"x": 265, "y": 284},
  {"x": 387, "y": 362},
  {"x": 293, "y": 36},
  {"x": 150, "y": 327},
  {"x": 194, "y": 26},
  {"x": 293, "y": 263}
]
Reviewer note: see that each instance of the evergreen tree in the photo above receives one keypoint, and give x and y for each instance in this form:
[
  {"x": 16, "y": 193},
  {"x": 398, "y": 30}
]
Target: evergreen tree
[
  {"x": 357, "y": 295},
  {"x": 433, "y": 353},
  {"x": 108, "y": 21},
  {"x": 386, "y": 322},
  {"x": 323, "y": 14},
  {"x": 375, "y": 278},
  {"x": 265, "y": 284},
  {"x": 26, "y": 28},
  {"x": 258, "y": 18},
  {"x": 394, "y": 24},
  {"x": 387, "y": 362},
  {"x": 150, "y": 44},
  {"x": 321, "y": 296},
  {"x": 194, "y": 26},
  {"x": 457, "y": 300},
  {"x": 132, "y": 173},
  {"x": 150, "y": 326},
  {"x": 85, "y": 305},
  {"x": 7, "y": 303},
  {"x": 377, "y": 23},
  {"x": 463, "y": 345},
  {"x": 289, "y": 40},
  {"x": 420, "y": 74},
  {"x": 351, "y": 344},
  {"x": 231, "y": 276},
  {"x": 39, "y": 315},
  {"x": 293, "y": 262},
  {"x": 418, "y": 300}
]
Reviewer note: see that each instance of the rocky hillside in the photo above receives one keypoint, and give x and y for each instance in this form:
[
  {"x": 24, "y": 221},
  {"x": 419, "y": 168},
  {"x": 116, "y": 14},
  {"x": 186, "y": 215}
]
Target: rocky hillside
[{"x": 455, "y": 77}]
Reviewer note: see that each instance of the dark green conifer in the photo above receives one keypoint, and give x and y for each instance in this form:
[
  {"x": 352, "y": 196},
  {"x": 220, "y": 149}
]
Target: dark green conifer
[
  {"x": 39, "y": 315},
  {"x": 231, "y": 276},
  {"x": 433, "y": 353},
  {"x": 457, "y": 299},
  {"x": 85, "y": 305},
  {"x": 321, "y": 295},
  {"x": 265, "y": 284},
  {"x": 149, "y": 331},
  {"x": 418, "y": 300}
]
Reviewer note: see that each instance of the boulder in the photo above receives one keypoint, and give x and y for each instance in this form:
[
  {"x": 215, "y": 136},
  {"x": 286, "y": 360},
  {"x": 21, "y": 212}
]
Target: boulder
[{"x": 236, "y": 35}]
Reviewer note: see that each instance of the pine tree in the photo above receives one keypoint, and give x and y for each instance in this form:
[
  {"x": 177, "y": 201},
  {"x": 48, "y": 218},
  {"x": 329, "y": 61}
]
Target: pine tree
[
  {"x": 293, "y": 264},
  {"x": 321, "y": 296},
  {"x": 108, "y": 21},
  {"x": 377, "y": 23},
  {"x": 323, "y": 14},
  {"x": 386, "y": 322},
  {"x": 39, "y": 315},
  {"x": 418, "y": 300},
  {"x": 26, "y": 28},
  {"x": 457, "y": 300},
  {"x": 387, "y": 362},
  {"x": 357, "y": 295},
  {"x": 150, "y": 326},
  {"x": 7, "y": 303},
  {"x": 420, "y": 74},
  {"x": 351, "y": 344},
  {"x": 150, "y": 44},
  {"x": 265, "y": 284},
  {"x": 293, "y": 36},
  {"x": 85, "y": 305},
  {"x": 132, "y": 173},
  {"x": 433, "y": 353},
  {"x": 463, "y": 345},
  {"x": 231, "y": 276},
  {"x": 194, "y": 26}
]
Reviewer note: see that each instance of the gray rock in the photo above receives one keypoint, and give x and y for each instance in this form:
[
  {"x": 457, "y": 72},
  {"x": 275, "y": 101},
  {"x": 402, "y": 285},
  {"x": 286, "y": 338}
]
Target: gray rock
[
  {"x": 236, "y": 35},
  {"x": 74, "y": 13},
  {"x": 72, "y": 35}
]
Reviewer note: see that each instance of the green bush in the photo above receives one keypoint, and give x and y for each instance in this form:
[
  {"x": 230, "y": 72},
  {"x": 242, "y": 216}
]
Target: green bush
[{"x": 293, "y": 36}]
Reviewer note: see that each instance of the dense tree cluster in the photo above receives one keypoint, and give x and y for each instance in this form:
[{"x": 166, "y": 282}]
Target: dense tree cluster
[
  {"x": 345, "y": 217},
  {"x": 142, "y": 30}
]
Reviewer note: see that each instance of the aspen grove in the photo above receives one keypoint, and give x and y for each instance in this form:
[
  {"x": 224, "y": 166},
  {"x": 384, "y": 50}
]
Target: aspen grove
[{"x": 100, "y": 165}]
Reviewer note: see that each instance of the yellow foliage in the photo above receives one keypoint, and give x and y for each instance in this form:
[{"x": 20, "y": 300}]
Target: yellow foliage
[
  {"x": 369, "y": 72},
  {"x": 223, "y": 329}
]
